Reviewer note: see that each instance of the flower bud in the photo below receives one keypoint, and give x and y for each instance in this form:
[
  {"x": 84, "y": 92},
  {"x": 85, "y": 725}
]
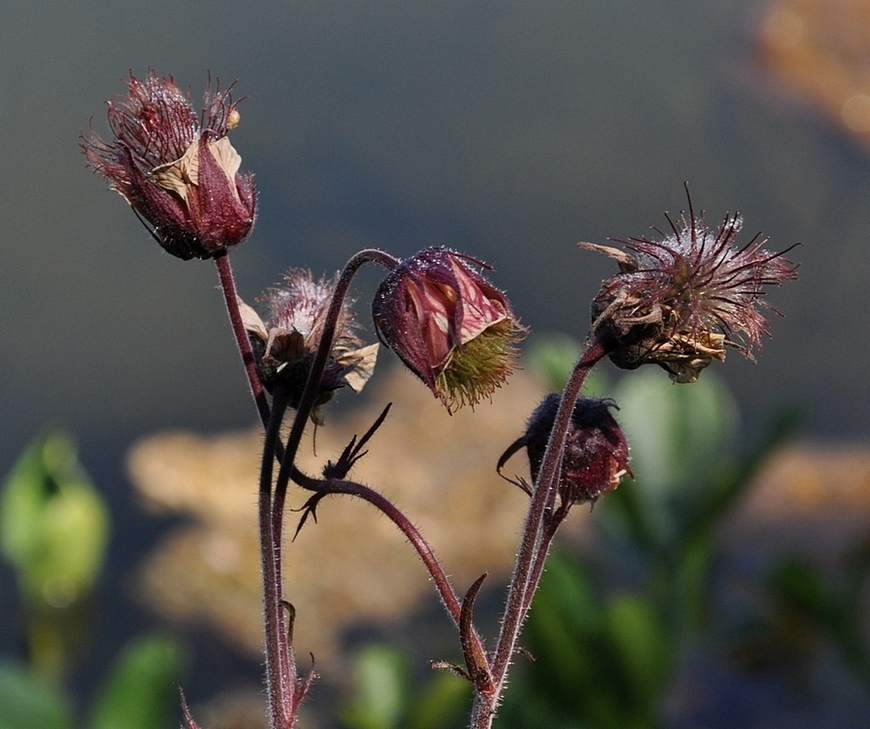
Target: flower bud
[
  {"x": 448, "y": 324},
  {"x": 176, "y": 168},
  {"x": 286, "y": 343},
  {"x": 680, "y": 300},
  {"x": 596, "y": 452}
]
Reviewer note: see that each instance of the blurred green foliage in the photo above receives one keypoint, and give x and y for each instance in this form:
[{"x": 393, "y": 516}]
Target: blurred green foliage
[
  {"x": 385, "y": 699},
  {"x": 806, "y": 599},
  {"x": 54, "y": 529},
  {"x": 609, "y": 626},
  {"x": 53, "y": 524}
]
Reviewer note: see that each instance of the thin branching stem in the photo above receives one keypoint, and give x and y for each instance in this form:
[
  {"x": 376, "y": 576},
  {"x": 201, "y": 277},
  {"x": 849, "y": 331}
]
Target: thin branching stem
[
  {"x": 442, "y": 582},
  {"x": 533, "y": 545},
  {"x": 231, "y": 299},
  {"x": 280, "y": 670},
  {"x": 312, "y": 385}
]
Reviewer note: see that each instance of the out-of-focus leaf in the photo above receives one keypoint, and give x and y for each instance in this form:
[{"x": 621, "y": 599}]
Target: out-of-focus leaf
[
  {"x": 571, "y": 678},
  {"x": 567, "y": 586},
  {"x": 800, "y": 583},
  {"x": 382, "y": 691},
  {"x": 53, "y": 523},
  {"x": 627, "y": 509},
  {"x": 140, "y": 691},
  {"x": 553, "y": 356},
  {"x": 681, "y": 437},
  {"x": 721, "y": 493},
  {"x": 689, "y": 588},
  {"x": 678, "y": 433},
  {"x": 442, "y": 703},
  {"x": 644, "y": 651},
  {"x": 857, "y": 565},
  {"x": 801, "y": 589},
  {"x": 27, "y": 703}
]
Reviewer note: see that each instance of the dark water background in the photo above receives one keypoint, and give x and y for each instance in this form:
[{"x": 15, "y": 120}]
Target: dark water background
[{"x": 509, "y": 130}]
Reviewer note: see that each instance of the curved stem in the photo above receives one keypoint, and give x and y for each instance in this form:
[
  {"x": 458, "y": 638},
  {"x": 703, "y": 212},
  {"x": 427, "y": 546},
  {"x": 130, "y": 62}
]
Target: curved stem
[
  {"x": 534, "y": 544},
  {"x": 231, "y": 299},
  {"x": 445, "y": 588},
  {"x": 312, "y": 385},
  {"x": 412, "y": 534}
]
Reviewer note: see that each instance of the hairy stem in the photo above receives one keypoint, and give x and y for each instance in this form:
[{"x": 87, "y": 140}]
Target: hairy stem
[
  {"x": 535, "y": 542},
  {"x": 231, "y": 299},
  {"x": 385, "y": 506},
  {"x": 312, "y": 385},
  {"x": 280, "y": 670}
]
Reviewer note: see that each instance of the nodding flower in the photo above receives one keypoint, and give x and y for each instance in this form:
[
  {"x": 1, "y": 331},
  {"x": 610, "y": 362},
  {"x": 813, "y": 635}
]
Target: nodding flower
[
  {"x": 448, "y": 324},
  {"x": 681, "y": 298},
  {"x": 596, "y": 453},
  {"x": 176, "y": 167},
  {"x": 285, "y": 343}
]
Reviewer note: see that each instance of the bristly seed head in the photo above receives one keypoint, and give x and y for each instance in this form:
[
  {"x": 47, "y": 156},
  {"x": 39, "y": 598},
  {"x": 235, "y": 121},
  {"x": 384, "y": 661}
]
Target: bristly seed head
[
  {"x": 286, "y": 343},
  {"x": 681, "y": 298}
]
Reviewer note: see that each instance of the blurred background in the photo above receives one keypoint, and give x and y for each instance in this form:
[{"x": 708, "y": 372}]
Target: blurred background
[{"x": 509, "y": 130}]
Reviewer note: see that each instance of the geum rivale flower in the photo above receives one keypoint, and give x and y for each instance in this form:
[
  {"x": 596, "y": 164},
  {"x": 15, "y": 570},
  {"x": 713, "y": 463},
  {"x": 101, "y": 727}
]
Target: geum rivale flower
[
  {"x": 176, "y": 167},
  {"x": 679, "y": 300},
  {"x": 596, "y": 454},
  {"x": 286, "y": 342},
  {"x": 448, "y": 324}
]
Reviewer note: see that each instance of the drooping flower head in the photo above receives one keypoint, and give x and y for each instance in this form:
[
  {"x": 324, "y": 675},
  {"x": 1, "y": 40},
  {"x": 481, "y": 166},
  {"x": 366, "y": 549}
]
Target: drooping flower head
[
  {"x": 681, "y": 298},
  {"x": 286, "y": 343},
  {"x": 176, "y": 167},
  {"x": 596, "y": 453},
  {"x": 448, "y": 324}
]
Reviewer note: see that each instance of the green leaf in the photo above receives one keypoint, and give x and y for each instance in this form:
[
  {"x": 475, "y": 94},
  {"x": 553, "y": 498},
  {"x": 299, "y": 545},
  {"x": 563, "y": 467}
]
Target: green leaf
[
  {"x": 382, "y": 690},
  {"x": 552, "y": 357},
  {"x": 724, "y": 491},
  {"x": 26, "y": 702},
  {"x": 53, "y": 523},
  {"x": 140, "y": 690},
  {"x": 442, "y": 702},
  {"x": 638, "y": 637},
  {"x": 681, "y": 436},
  {"x": 677, "y": 432}
]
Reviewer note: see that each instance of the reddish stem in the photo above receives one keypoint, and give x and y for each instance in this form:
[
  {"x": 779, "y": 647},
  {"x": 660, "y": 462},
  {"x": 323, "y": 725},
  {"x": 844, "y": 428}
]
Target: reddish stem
[
  {"x": 280, "y": 669},
  {"x": 535, "y": 542},
  {"x": 312, "y": 385},
  {"x": 231, "y": 299}
]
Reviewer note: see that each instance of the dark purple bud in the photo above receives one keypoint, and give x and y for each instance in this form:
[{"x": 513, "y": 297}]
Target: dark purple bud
[{"x": 596, "y": 453}]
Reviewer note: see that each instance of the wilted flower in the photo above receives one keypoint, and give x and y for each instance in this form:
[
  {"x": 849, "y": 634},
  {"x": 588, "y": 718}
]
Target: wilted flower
[
  {"x": 285, "y": 344},
  {"x": 596, "y": 453},
  {"x": 448, "y": 324},
  {"x": 680, "y": 300},
  {"x": 177, "y": 168}
]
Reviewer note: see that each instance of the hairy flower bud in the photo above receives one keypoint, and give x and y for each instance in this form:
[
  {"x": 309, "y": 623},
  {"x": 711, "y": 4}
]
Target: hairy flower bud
[
  {"x": 596, "y": 452},
  {"x": 448, "y": 324},
  {"x": 176, "y": 168},
  {"x": 286, "y": 343},
  {"x": 680, "y": 300}
]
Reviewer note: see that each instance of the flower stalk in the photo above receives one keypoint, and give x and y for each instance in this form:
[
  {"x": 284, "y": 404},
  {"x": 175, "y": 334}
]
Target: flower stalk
[
  {"x": 535, "y": 541},
  {"x": 243, "y": 343},
  {"x": 678, "y": 300}
]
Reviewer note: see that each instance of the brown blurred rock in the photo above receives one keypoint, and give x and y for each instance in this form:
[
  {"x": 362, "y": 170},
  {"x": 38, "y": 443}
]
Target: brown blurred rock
[
  {"x": 352, "y": 566},
  {"x": 820, "y": 49},
  {"x": 811, "y": 499}
]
